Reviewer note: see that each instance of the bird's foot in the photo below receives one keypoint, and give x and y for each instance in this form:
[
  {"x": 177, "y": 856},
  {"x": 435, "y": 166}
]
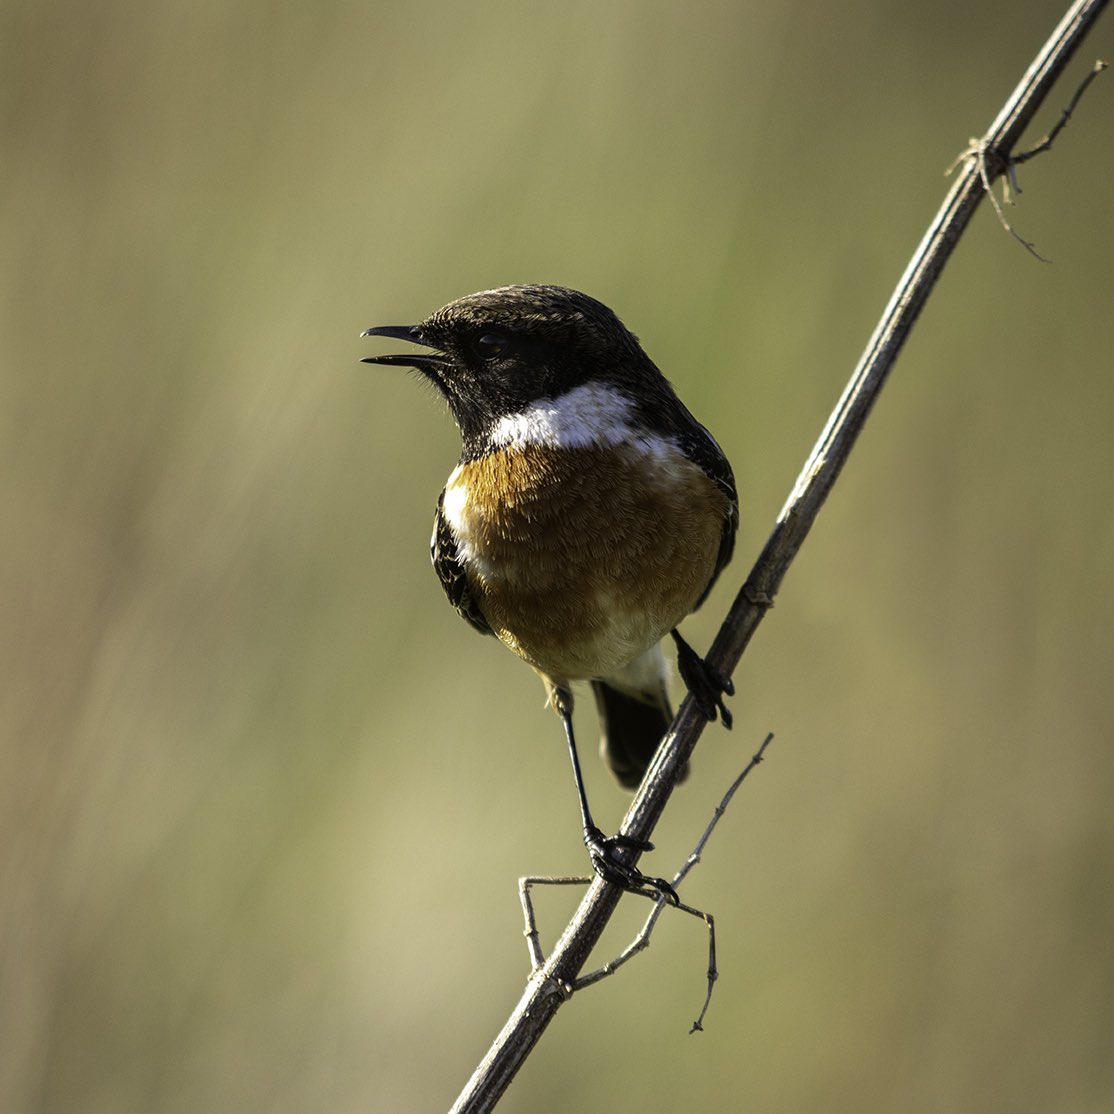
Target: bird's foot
[
  {"x": 707, "y": 685},
  {"x": 604, "y": 854}
]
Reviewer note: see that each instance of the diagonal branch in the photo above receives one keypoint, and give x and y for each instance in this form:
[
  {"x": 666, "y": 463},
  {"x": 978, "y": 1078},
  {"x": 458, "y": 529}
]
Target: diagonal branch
[{"x": 549, "y": 987}]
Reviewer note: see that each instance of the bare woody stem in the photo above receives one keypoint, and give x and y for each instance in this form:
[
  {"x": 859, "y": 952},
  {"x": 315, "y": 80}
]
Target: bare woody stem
[{"x": 551, "y": 986}]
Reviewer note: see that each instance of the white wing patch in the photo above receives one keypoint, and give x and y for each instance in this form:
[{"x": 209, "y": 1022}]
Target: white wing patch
[
  {"x": 452, "y": 502},
  {"x": 454, "y": 507}
]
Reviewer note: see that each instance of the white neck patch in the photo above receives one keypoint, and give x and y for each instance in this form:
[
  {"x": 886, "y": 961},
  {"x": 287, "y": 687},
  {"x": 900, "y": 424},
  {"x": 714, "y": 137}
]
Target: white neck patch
[{"x": 588, "y": 416}]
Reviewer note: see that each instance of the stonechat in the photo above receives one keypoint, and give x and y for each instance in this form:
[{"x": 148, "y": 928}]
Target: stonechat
[{"x": 589, "y": 513}]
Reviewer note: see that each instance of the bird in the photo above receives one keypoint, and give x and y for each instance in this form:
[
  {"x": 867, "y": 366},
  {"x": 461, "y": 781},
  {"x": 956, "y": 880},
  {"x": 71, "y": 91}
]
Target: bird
[{"x": 588, "y": 515}]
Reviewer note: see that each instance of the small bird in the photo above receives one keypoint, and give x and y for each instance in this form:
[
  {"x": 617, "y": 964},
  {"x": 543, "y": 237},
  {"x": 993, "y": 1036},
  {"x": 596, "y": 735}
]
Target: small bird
[{"x": 589, "y": 513}]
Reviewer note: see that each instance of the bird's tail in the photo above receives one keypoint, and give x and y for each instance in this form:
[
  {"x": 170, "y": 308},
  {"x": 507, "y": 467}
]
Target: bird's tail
[{"x": 634, "y": 714}]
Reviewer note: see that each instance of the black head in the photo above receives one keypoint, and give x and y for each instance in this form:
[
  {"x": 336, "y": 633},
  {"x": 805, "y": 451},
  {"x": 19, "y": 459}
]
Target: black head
[{"x": 495, "y": 352}]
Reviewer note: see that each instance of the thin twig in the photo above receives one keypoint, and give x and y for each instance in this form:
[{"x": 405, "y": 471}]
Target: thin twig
[
  {"x": 984, "y": 156},
  {"x": 542, "y": 998},
  {"x": 642, "y": 940},
  {"x": 1062, "y": 123}
]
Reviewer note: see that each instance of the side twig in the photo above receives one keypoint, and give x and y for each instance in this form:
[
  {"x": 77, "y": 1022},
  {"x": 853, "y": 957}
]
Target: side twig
[
  {"x": 984, "y": 156},
  {"x": 642, "y": 940},
  {"x": 1065, "y": 116},
  {"x": 544, "y": 994}
]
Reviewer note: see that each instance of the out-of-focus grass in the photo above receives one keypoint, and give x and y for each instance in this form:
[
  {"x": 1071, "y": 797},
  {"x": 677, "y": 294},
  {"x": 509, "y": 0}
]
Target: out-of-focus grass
[{"x": 263, "y": 798}]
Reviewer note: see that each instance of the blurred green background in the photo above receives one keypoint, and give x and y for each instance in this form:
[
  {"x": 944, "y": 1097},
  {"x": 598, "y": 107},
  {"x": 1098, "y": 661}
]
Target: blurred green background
[{"x": 264, "y": 798}]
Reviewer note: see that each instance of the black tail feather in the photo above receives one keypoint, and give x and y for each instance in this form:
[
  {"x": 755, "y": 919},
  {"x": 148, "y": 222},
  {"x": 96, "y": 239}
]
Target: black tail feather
[{"x": 631, "y": 730}]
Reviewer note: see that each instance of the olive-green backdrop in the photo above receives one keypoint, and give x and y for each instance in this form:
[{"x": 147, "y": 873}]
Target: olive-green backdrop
[{"x": 264, "y": 798}]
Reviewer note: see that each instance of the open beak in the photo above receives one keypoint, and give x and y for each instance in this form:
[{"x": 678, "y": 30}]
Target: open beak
[{"x": 411, "y": 333}]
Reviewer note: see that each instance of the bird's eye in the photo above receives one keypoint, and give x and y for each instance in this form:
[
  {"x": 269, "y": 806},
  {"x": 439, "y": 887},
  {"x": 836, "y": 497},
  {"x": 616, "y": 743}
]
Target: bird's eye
[{"x": 490, "y": 346}]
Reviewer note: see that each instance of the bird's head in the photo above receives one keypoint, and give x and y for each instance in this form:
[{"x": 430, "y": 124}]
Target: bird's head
[{"x": 496, "y": 353}]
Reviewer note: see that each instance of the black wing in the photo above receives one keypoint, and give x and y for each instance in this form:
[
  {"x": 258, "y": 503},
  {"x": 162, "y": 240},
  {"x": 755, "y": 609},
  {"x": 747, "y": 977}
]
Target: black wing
[
  {"x": 442, "y": 551},
  {"x": 701, "y": 448}
]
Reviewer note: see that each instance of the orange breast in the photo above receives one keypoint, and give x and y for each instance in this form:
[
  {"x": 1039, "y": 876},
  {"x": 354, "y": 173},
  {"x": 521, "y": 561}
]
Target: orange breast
[{"x": 582, "y": 559}]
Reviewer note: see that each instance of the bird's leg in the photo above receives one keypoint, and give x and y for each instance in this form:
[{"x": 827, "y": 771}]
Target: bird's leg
[
  {"x": 707, "y": 685},
  {"x": 606, "y": 852}
]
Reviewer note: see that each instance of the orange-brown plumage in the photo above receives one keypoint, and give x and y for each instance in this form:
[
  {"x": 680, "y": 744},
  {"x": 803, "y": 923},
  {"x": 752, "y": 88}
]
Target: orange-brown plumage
[{"x": 582, "y": 559}]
